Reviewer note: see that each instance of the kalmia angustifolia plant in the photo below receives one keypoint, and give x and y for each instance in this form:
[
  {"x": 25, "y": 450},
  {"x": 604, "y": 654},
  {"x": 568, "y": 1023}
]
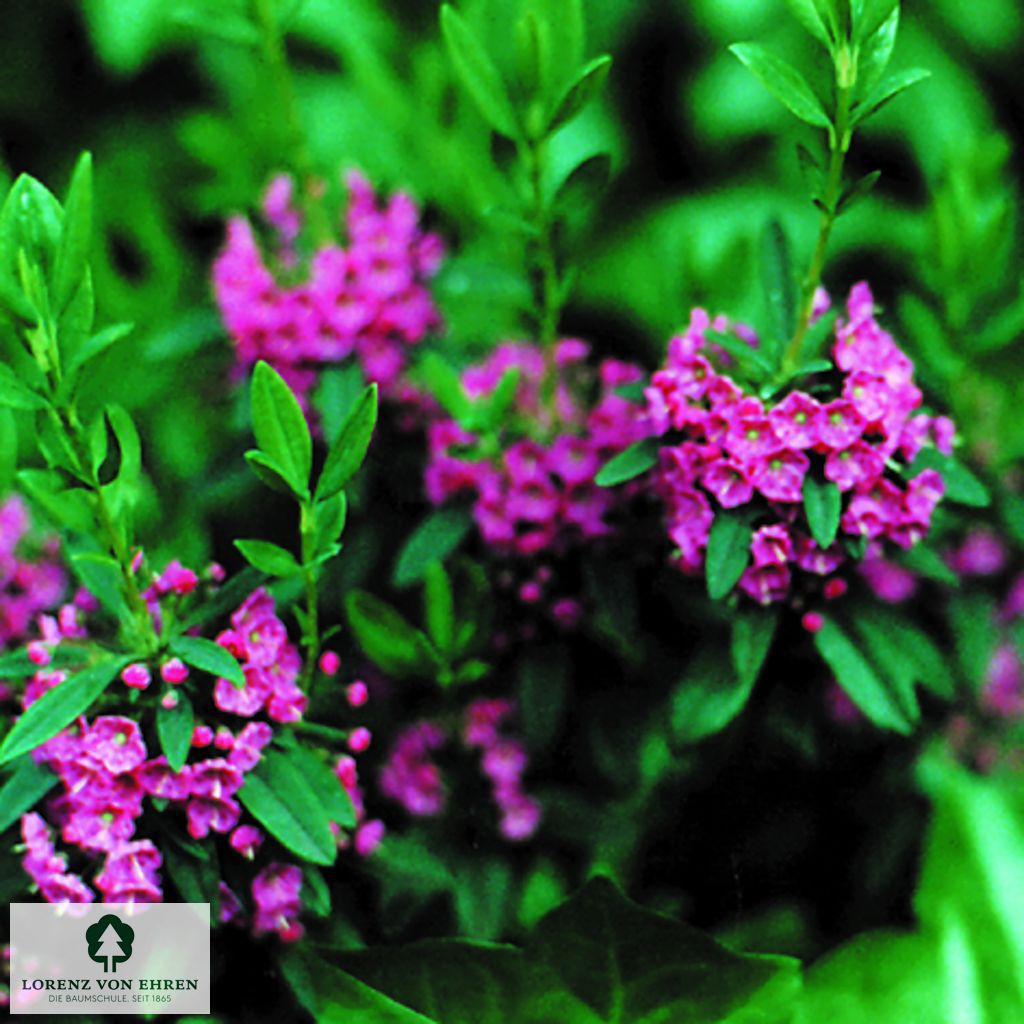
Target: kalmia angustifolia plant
[{"x": 167, "y": 761}]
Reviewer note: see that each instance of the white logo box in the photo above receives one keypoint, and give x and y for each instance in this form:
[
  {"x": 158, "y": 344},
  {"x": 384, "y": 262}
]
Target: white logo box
[{"x": 86, "y": 958}]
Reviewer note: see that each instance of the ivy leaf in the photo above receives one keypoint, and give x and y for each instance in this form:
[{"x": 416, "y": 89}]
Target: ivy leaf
[
  {"x": 435, "y": 539},
  {"x": 207, "y": 656},
  {"x": 350, "y": 446},
  {"x": 76, "y": 236},
  {"x": 24, "y": 788},
  {"x": 174, "y": 730},
  {"x": 823, "y": 505},
  {"x": 888, "y": 705},
  {"x": 478, "y": 74},
  {"x": 728, "y": 552},
  {"x": 586, "y": 86},
  {"x": 636, "y": 460},
  {"x": 280, "y": 427},
  {"x": 784, "y": 82},
  {"x": 269, "y": 558},
  {"x": 278, "y": 796},
  {"x": 59, "y": 707}
]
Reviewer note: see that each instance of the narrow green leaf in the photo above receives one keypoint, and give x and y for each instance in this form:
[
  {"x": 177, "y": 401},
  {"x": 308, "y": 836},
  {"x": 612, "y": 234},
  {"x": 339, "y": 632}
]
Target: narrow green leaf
[
  {"x": 330, "y": 522},
  {"x": 333, "y": 797},
  {"x": 888, "y": 91},
  {"x": 778, "y": 282},
  {"x": 16, "y": 394},
  {"x": 708, "y": 698},
  {"x": 435, "y": 539},
  {"x": 67, "y": 507},
  {"x": 886, "y": 707},
  {"x": 280, "y": 426},
  {"x": 76, "y": 236},
  {"x": 636, "y": 460},
  {"x": 478, "y": 74},
  {"x": 439, "y": 607},
  {"x": 784, "y": 82},
  {"x": 24, "y": 788},
  {"x": 809, "y": 16},
  {"x": 728, "y": 552},
  {"x": 207, "y": 656},
  {"x": 386, "y": 638},
  {"x": 101, "y": 576},
  {"x": 268, "y": 558},
  {"x": 586, "y": 86},
  {"x": 856, "y": 191},
  {"x": 278, "y": 796},
  {"x": 823, "y": 505},
  {"x": 584, "y": 185},
  {"x": 872, "y": 15},
  {"x": 227, "y": 598},
  {"x": 8, "y": 449},
  {"x": 445, "y": 385},
  {"x": 752, "y": 358},
  {"x": 876, "y": 52},
  {"x": 270, "y": 473},
  {"x": 962, "y": 486},
  {"x": 130, "y": 468},
  {"x": 316, "y": 896},
  {"x": 753, "y": 630},
  {"x": 59, "y": 707},
  {"x": 174, "y": 730},
  {"x": 97, "y": 344},
  {"x": 350, "y": 446},
  {"x": 13, "y": 303},
  {"x": 927, "y": 562}
]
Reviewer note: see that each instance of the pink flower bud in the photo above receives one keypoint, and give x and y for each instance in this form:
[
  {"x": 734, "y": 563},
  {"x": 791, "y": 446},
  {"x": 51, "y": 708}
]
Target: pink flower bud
[
  {"x": 174, "y": 671},
  {"x": 357, "y": 693},
  {"x": 812, "y": 622},
  {"x": 835, "y": 588},
  {"x": 329, "y": 663},
  {"x": 202, "y": 736},
  {"x": 39, "y": 654},
  {"x": 224, "y": 740},
  {"x": 169, "y": 701},
  {"x": 136, "y": 676},
  {"x": 359, "y": 739}
]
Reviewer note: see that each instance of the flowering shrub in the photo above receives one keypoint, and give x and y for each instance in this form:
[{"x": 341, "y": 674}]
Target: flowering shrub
[{"x": 508, "y": 611}]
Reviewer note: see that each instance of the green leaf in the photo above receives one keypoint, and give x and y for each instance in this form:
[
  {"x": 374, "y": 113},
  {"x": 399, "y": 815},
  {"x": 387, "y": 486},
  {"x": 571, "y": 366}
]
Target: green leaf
[
  {"x": 96, "y": 345},
  {"x": 16, "y": 394},
  {"x": 278, "y": 796},
  {"x": 751, "y": 357},
  {"x": 196, "y": 879},
  {"x": 207, "y": 656},
  {"x": 778, "y": 281},
  {"x": 386, "y": 637},
  {"x": 24, "y": 788},
  {"x": 316, "y": 896},
  {"x": 876, "y": 52},
  {"x": 630, "y": 965},
  {"x": 336, "y": 394},
  {"x": 927, "y": 562},
  {"x": 101, "y": 576},
  {"x": 823, "y": 505},
  {"x": 435, "y": 539},
  {"x": 59, "y": 707},
  {"x": 13, "y": 303},
  {"x": 887, "y": 705},
  {"x": 8, "y": 449},
  {"x": 445, "y": 385},
  {"x": 68, "y": 507},
  {"x": 636, "y": 460},
  {"x": 324, "y": 784},
  {"x": 227, "y": 598},
  {"x": 269, "y": 558},
  {"x": 753, "y": 630},
  {"x": 16, "y": 664},
  {"x": 888, "y": 91},
  {"x": 270, "y": 473},
  {"x": 439, "y": 608},
  {"x": 586, "y": 86},
  {"x": 728, "y": 552},
  {"x": 478, "y": 74},
  {"x": 280, "y": 427},
  {"x": 130, "y": 467},
  {"x": 350, "y": 446},
  {"x": 543, "y": 690},
  {"x": 76, "y": 236},
  {"x": 808, "y": 13},
  {"x": 174, "y": 730},
  {"x": 708, "y": 698},
  {"x": 962, "y": 486},
  {"x": 871, "y": 15},
  {"x": 856, "y": 191},
  {"x": 584, "y": 184},
  {"x": 784, "y": 82},
  {"x": 330, "y": 522}
]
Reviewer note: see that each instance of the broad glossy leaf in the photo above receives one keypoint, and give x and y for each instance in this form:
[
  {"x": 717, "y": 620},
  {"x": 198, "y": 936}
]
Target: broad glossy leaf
[
  {"x": 27, "y": 784},
  {"x": 589, "y": 83},
  {"x": 823, "y": 505},
  {"x": 8, "y": 449},
  {"x": 76, "y": 236},
  {"x": 753, "y": 630},
  {"x": 636, "y": 460},
  {"x": 728, "y": 552},
  {"x": 962, "y": 486},
  {"x": 16, "y": 394},
  {"x": 280, "y": 426},
  {"x": 778, "y": 281},
  {"x": 269, "y": 558},
  {"x": 890, "y": 88},
  {"x": 174, "y": 730},
  {"x": 207, "y": 656},
  {"x": 435, "y": 539},
  {"x": 386, "y": 638},
  {"x": 349, "y": 447}
]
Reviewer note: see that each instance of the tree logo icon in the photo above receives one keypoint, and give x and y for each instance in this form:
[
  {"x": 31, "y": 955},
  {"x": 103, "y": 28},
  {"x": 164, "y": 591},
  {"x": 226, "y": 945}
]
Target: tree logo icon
[{"x": 110, "y": 942}]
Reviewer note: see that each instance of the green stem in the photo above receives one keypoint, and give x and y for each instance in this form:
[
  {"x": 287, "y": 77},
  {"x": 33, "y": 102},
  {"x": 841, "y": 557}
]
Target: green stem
[
  {"x": 297, "y": 147},
  {"x": 840, "y": 145},
  {"x": 117, "y": 544},
  {"x": 311, "y": 624},
  {"x": 544, "y": 266}
]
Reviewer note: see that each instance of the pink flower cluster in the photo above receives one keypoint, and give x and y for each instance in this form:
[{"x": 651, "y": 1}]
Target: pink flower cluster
[
  {"x": 32, "y": 579},
  {"x": 367, "y": 300},
  {"x": 413, "y": 779},
  {"x": 726, "y": 449},
  {"x": 538, "y": 494}
]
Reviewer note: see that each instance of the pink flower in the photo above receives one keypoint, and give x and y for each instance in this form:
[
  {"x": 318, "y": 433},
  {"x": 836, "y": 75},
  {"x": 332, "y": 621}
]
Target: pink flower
[
  {"x": 772, "y": 545},
  {"x": 246, "y": 839},
  {"x": 116, "y": 743},
  {"x": 780, "y": 476},
  {"x": 858, "y": 464},
  {"x": 840, "y": 425},
  {"x": 276, "y": 896},
  {"x": 728, "y": 483},
  {"x": 795, "y": 420},
  {"x": 369, "y": 835},
  {"x": 174, "y": 671}
]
